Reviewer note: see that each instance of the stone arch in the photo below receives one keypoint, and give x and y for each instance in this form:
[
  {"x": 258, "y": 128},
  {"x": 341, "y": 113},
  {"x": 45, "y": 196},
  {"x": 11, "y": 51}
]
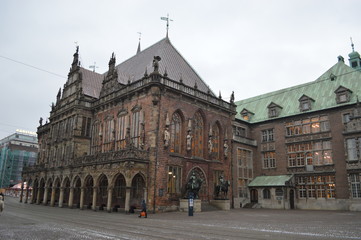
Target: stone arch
[
  {"x": 66, "y": 188},
  {"x": 203, "y": 192},
  {"x": 56, "y": 186},
  {"x": 138, "y": 189},
  {"x": 102, "y": 191},
  {"x": 76, "y": 184},
  {"x": 41, "y": 189},
  {"x": 119, "y": 191},
  {"x": 88, "y": 191}
]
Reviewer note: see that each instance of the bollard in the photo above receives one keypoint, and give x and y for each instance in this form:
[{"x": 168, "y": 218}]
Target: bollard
[{"x": 190, "y": 205}]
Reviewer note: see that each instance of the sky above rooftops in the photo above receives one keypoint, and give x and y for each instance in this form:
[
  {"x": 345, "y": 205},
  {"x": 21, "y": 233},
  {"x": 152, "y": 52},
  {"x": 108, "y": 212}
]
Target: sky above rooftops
[{"x": 249, "y": 47}]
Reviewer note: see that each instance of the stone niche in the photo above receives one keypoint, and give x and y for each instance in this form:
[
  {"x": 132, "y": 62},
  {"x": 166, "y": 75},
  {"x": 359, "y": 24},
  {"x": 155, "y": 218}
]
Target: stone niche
[{"x": 183, "y": 205}]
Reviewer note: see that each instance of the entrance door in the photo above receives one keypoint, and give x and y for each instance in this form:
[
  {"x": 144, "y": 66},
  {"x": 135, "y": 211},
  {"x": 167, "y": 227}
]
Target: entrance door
[
  {"x": 292, "y": 199},
  {"x": 254, "y": 196}
]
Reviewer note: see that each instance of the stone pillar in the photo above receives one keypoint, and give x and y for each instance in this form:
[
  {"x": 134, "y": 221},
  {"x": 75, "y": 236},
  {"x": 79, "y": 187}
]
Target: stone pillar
[
  {"x": 82, "y": 190},
  {"x": 38, "y": 196},
  {"x": 22, "y": 192},
  {"x": 26, "y": 195},
  {"x": 52, "y": 199},
  {"x": 127, "y": 199},
  {"x": 61, "y": 197},
  {"x": 45, "y": 196},
  {"x": 109, "y": 202},
  {"x": 71, "y": 197},
  {"x": 94, "y": 198}
]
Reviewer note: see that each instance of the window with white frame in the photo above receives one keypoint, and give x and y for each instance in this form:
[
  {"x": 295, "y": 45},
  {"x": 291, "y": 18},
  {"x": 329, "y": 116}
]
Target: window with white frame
[{"x": 355, "y": 185}]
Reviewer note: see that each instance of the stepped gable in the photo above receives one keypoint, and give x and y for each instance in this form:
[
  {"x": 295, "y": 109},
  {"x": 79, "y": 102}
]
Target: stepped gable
[
  {"x": 91, "y": 83},
  {"x": 322, "y": 92},
  {"x": 172, "y": 63}
]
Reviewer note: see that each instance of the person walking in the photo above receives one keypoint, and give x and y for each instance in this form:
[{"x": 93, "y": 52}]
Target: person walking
[{"x": 144, "y": 210}]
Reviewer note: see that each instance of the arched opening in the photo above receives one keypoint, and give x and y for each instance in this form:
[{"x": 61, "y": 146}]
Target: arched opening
[
  {"x": 254, "y": 196},
  {"x": 57, "y": 191},
  {"x": 77, "y": 191},
  {"x": 88, "y": 191},
  {"x": 198, "y": 135},
  {"x": 102, "y": 194},
  {"x": 66, "y": 191},
  {"x": 119, "y": 190},
  {"x": 137, "y": 190}
]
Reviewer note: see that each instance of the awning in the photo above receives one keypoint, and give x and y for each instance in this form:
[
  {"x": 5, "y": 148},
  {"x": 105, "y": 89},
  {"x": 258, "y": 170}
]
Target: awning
[{"x": 271, "y": 181}]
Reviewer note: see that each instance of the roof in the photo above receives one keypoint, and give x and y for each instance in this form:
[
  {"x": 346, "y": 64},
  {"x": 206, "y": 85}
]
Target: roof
[
  {"x": 171, "y": 61},
  {"x": 270, "y": 181},
  {"x": 92, "y": 83},
  {"x": 322, "y": 91}
]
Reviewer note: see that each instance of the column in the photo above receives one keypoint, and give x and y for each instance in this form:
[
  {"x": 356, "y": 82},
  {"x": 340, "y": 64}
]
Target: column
[
  {"x": 52, "y": 197},
  {"x": 109, "y": 202},
  {"x": 61, "y": 197},
  {"x": 22, "y": 192},
  {"x": 127, "y": 199},
  {"x": 82, "y": 190},
  {"x": 26, "y": 195},
  {"x": 45, "y": 196},
  {"x": 71, "y": 197},
  {"x": 94, "y": 198}
]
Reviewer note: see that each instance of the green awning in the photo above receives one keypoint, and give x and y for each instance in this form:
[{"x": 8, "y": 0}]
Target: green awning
[{"x": 271, "y": 181}]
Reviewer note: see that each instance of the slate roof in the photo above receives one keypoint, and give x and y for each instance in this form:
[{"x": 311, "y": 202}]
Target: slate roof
[
  {"x": 91, "y": 83},
  {"x": 270, "y": 181},
  {"x": 171, "y": 60},
  {"x": 322, "y": 91}
]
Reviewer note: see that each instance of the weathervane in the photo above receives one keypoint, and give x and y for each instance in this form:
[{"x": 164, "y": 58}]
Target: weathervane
[
  {"x": 93, "y": 66},
  {"x": 352, "y": 45},
  {"x": 166, "y": 19}
]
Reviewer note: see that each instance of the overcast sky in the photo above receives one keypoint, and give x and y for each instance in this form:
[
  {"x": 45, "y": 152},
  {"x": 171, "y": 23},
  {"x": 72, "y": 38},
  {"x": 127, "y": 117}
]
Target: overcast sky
[{"x": 249, "y": 47}]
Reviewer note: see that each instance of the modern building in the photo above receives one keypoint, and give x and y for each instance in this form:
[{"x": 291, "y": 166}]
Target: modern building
[
  {"x": 300, "y": 147},
  {"x": 16, "y": 151},
  {"x": 139, "y": 131}
]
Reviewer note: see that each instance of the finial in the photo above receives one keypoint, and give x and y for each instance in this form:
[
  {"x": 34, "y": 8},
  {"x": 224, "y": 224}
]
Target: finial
[
  {"x": 140, "y": 36},
  {"x": 165, "y": 72},
  {"x": 166, "y": 19},
  {"x": 220, "y": 95},
  {"x": 352, "y": 45},
  {"x": 146, "y": 72}
]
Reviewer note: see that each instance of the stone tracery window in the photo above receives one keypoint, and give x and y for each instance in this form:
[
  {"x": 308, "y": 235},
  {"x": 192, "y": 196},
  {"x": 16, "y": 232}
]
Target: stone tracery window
[
  {"x": 175, "y": 133},
  {"x": 122, "y": 124}
]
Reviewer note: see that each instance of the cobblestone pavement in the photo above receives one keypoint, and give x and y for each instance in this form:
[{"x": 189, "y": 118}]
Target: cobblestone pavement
[{"x": 30, "y": 221}]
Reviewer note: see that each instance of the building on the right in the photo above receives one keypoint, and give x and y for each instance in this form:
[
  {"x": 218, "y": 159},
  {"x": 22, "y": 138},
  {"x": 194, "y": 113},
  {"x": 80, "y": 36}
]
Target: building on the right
[{"x": 300, "y": 147}]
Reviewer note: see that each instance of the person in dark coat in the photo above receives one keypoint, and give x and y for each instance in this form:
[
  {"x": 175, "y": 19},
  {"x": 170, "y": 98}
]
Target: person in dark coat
[{"x": 144, "y": 210}]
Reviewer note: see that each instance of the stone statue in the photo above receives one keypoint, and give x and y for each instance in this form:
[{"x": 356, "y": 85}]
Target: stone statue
[
  {"x": 41, "y": 121},
  {"x": 232, "y": 97},
  {"x": 166, "y": 137},
  {"x": 189, "y": 141},
  {"x": 210, "y": 145},
  {"x": 222, "y": 187},
  {"x": 193, "y": 186},
  {"x": 156, "y": 60},
  {"x": 225, "y": 148}
]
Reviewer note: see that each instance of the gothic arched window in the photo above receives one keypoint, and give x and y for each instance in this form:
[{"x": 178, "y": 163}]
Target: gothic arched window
[
  {"x": 175, "y": 133},
  {"x": 198, "y": 135}
]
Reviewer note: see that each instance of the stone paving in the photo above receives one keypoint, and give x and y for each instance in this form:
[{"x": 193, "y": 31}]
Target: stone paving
[{"x": 30, "y": 221}]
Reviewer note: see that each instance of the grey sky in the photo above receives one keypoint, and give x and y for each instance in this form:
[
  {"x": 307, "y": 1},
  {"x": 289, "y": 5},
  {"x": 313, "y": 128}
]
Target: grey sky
[{"x": 249, "y": 47}]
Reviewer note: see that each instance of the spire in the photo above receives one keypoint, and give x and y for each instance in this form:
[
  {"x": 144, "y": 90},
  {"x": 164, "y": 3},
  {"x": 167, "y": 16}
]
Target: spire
[
  {"x": 140, "y": 35},
  {"x": 166, "y": 19},
  {"x": 75, "y": 58},
  {"x": 352, "y": 45}
]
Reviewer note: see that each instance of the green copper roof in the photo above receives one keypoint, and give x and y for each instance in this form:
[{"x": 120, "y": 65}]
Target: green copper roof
[
  {"x": 321, "y": 91},
  {"x": 270, "y": 181}
]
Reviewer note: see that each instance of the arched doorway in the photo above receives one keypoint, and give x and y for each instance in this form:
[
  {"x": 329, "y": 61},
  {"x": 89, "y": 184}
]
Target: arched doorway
[
  {"x": 88, "y": 192},
  {"x": 254, "y": 196},
  {"x": 66, "y": 191},
  {"x": 137, "y": 190},
  {"x": 102, "y": 194},
  {"x": 119, "y": 190}
]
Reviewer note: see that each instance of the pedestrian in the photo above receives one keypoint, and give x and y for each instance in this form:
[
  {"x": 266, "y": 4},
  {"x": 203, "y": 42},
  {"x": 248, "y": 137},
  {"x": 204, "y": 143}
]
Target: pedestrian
[
  {"x": 144, "y": 210},
  {"x": 1, "y": 202}
]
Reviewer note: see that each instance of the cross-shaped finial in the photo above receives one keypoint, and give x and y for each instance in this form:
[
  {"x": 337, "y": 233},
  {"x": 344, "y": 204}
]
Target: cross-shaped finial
[{"x": 166, "y": 19}]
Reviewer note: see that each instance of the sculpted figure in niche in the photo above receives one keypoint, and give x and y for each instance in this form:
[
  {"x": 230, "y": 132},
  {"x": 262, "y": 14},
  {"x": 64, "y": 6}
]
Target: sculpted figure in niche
[
  {"x": 166, "y": 137},
  {"x": 210, "y": 145},
  {"x": 225, "y": 148},
  {"x": 189, "y": 141}
]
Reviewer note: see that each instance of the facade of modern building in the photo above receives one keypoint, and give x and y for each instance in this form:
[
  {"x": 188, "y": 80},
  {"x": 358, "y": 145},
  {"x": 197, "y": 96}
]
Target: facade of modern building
[
  {"x": 300, "y": 147},
  {"x": 16, "y": 151},
  {"x": 138, "y": 131}
]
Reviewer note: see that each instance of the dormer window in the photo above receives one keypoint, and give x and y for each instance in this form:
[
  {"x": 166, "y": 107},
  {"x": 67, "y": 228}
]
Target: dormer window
[
  {"x": 246, "y": 115},
  {"x": 274, "y": 110},
  {"x": 305, "y": 103},
  {"x": 343, "y": 94}
]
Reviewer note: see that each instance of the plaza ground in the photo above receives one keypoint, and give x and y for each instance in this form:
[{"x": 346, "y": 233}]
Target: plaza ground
[{"x": 30, "y": 221}]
